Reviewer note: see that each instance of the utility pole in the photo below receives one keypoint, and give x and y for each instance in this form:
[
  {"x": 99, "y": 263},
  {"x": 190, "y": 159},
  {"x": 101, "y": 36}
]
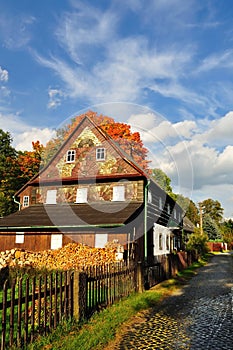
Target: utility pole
[{"x": 201, "y": 218}]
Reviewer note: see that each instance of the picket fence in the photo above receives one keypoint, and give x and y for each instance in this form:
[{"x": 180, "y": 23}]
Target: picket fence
[{"x": 30, "y": 306}]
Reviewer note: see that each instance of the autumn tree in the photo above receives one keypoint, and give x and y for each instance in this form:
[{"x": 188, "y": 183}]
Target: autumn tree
[
  {"x": 16, "y": 168},
  {"x": 120, "y": 133},
  {"x": 29, "y": 161}
]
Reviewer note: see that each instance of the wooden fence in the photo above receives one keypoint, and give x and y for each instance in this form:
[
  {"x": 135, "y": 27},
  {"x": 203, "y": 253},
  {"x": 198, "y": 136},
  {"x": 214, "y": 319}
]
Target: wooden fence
[{"x": 30, "y": 306}]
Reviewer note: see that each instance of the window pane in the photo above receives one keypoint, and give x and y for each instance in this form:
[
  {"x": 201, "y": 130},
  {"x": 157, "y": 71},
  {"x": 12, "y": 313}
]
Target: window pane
[
  {"x": 70, "y": 156},
  {"x": 100, "y": 153},
  {"x": 26, "y": 201}
]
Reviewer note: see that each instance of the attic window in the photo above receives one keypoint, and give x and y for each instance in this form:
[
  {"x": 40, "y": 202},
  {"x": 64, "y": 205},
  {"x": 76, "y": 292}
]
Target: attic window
[
  {"x": 70, "y": 156},
  {"x": 25, "y": 201},
  {"x": 100, "y": 153}
]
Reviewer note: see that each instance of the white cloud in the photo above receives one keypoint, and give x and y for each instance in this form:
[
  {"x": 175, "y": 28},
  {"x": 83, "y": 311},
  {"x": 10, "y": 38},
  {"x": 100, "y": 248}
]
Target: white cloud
[
  {"x": 23, "y": 141},
  {"x": 216, "y": 61},
  {"x": 55, "y": 97},
  {"x": 3, "y": 75},
  {"x": 14, "y": 30},
  {"x": 22, "y": 133}
]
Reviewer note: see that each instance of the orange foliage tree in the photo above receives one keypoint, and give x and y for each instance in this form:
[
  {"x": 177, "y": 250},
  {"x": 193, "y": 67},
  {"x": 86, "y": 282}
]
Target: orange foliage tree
[
  {"x": 121, "y": 133},
  {"x": 29, "y": 161}
]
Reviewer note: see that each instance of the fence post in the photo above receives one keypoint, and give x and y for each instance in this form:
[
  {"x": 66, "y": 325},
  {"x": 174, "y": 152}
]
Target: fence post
[
  {"x": 140, "y": 277},
  {"x": 80, "y": 295}
]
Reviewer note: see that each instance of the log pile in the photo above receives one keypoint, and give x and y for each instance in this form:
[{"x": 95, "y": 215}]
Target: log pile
[{"x": 71, "y": 256}]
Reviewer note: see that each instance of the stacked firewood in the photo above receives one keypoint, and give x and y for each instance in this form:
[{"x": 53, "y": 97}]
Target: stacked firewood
[{"x": 71, "y": 256}]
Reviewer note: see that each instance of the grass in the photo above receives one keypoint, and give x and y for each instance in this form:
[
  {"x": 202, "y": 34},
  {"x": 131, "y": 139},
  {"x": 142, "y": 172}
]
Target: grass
[{"x": 102, "y": 328}]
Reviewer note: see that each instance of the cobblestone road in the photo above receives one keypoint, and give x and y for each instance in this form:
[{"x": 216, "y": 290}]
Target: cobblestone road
[{"x": 199, "y": 317}]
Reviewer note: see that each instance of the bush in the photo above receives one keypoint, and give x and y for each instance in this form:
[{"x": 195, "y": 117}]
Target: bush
[{"x": 198, "y": 241}]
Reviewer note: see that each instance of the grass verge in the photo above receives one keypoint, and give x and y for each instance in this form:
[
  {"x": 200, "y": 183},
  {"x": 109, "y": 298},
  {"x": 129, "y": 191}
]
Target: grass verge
[{"x": 102, "y": 328}]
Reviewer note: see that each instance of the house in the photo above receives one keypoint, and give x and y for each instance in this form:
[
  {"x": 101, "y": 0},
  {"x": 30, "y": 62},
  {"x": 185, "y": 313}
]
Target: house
[{"x": 92, "y": 192}]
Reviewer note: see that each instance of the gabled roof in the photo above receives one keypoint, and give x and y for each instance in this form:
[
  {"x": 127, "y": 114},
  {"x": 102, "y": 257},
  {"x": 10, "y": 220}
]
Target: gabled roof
[
  {"x": 137, "y": 170},
  {"x": 62, "y": 216}
]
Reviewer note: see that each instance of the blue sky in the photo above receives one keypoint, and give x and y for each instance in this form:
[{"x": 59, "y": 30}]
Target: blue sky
[{"x": 165, "y": 66}]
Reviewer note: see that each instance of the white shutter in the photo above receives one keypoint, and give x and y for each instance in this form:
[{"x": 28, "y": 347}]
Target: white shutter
[
  {"x": 56, "y": 241},
  {"x": 81, "y": 196},
  {"x": 19, "y": 237},
  {"x": 51, "y": 197},
  {"x": 118, "y": 193},
  {"x": 100, "y": 240}
]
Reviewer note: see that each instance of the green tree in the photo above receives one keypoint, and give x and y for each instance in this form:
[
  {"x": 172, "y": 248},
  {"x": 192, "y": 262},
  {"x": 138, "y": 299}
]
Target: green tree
[
  {"x": 9, "y": 171},
  {"x": 162, "y": 180},
  {"x": 198, "y": 242},
  {"x": 227, "y": 232},
  {"x": 213, "y": 208},
  {"x": 211, "y": 228}
]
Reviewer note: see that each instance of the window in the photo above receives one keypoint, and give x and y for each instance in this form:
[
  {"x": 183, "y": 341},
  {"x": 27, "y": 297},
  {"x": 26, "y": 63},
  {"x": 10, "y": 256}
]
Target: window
[
  {"x": 56, "y": 240},
  {"x": 160, "y": 203},
  {"x": 175, "y": 214},
  {"x": 70, "y": 156},
  {"x": 168, "y": 209},
  {"x": 25, "y": 201},
  {"x": 149, "y": 199},
  {"x": 179, "y": 217},
  {"x": 81, "y": 196},
  {"x": 51, "y": 197},
  {"x": 100, "y": 154},
  {"x": 168, "y": 242},
  {"x": 118, "y": 193},
  {"x": 161, "y": 241},
  {"x": 19, "y": 237}
]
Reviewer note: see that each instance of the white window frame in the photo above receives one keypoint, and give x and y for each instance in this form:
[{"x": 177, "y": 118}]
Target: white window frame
[
  {"x": 51, "y": 197},
  {"x": 81, "y": 195},
  {"x": 100, "y": 153},
  {"x": 118, "y": 193},
  {"x": 19, "y": 237},
  {"x": 25, "y": 201},
  {"x": 70, "y": 156}
]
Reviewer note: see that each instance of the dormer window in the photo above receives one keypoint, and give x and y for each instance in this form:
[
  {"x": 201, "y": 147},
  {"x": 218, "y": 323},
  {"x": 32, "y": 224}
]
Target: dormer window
[
  {"x": 100, "y": 153},
  {"x": 70, "y": 156},
  {"x": 175, "y": 215}
]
